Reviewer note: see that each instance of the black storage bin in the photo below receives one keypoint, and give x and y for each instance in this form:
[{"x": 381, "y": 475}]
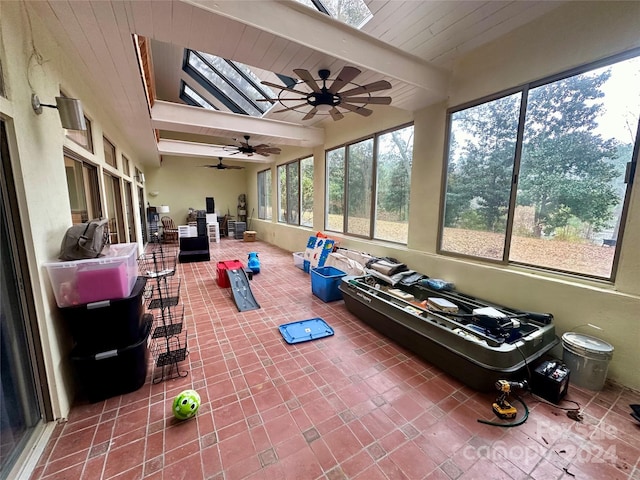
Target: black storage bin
[
  {"x": 113, "y": 372},
  {"x": 108, "y": 324}
]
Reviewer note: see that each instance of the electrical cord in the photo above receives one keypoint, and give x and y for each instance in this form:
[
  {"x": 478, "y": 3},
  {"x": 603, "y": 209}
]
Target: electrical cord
[
  {"x": 526, "y": 364},
  {"x": 514, "y": 424},
  {"x": 573, "y": 412}
]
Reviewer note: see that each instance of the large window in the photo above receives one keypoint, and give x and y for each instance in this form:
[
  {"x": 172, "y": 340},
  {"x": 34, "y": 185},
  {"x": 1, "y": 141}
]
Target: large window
[
  {"x": 393, "y": 179},
  {"x": 335, "y": 190},
  {"x": 368, "y": 186},
  {"x": 306, "y": 192},
  {"x": 264, "y": 195},
  {"x": 539, "y": 177},
  {"x": 295, "y": 192}
]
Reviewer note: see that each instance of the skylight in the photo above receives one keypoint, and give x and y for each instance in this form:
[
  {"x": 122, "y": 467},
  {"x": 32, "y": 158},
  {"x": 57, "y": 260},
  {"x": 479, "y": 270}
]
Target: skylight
[
  {"x": 352, "y": 12},
  {"x": 232, "y": 83},
  {"x": 192, "y": 97}
]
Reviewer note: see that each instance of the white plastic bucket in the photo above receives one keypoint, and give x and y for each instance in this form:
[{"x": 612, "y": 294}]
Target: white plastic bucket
[{"x": 587, "y": 358}]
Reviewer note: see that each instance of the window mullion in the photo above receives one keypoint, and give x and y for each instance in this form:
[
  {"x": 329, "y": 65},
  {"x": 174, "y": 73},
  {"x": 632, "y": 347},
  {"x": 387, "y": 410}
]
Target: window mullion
[
  {"x": 345, "y": 199},
  {"x": 515, "y": 175},
  {"x": 299, "y": 194},
  {"x": 373, "y": 186}
]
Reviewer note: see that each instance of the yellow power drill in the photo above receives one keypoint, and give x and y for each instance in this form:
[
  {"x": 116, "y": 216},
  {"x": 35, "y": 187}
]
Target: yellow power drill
[{"x": 501, "y": 406}]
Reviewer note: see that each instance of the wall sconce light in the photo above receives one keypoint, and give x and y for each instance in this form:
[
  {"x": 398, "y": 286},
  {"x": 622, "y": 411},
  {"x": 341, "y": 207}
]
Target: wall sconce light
[
  {"x": 163, "y": 209},
  {"x": 140, "y": 178},
  {"x": 154, "y": 194},
  {"x": 69, "y": 109}
]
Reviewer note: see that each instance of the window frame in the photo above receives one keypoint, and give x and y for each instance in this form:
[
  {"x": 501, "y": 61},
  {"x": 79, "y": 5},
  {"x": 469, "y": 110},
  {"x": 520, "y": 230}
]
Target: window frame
[
  {"x": 287, "y": 194},
  {"x": 109, "y": 144},
  {"x": 75, "y": 135},
  {"x": 524, "y": 89},
  {"x": 374, "y": 184},
  {"x": 91, "y": 188},
  {"x": 126, "y": 166},
  {"x": 264, "y": 194}
]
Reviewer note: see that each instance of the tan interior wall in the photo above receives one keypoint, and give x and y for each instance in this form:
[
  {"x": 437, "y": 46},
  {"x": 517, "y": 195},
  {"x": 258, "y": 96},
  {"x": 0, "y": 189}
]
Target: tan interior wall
[{"x": 183, "y": 183}]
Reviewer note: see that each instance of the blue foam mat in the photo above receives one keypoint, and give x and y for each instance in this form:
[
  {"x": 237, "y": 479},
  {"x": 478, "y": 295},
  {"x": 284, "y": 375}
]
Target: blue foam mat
[{"x": 305, "y": 330}]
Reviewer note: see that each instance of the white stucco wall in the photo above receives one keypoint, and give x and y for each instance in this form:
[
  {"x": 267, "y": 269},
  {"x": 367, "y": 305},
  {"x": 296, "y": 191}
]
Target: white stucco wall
[{"x": 36, "y": 150}]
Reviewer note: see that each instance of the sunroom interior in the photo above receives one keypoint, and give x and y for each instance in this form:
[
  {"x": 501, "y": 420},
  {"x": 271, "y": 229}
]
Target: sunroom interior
[{"x": 465, "y": 81}]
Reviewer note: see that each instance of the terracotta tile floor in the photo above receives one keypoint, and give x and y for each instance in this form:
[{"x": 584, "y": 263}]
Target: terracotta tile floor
[{"x": 351, "y": 406}]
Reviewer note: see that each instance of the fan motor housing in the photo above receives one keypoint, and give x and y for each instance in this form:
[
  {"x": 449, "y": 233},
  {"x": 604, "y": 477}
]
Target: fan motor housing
[{"x": 323, "y": 98}]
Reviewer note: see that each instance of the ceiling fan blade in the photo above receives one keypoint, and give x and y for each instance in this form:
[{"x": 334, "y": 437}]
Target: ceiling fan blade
[
  {"x": 233, "y": 167},
  {"x": 279, "y": 99},
  {"x": 335, "y": 114},
  {"x": 371, "y": 100},
  {"x": 372, "y": 87},
  {"x": 365, "y": 112},
  {"x": 268, "y": 150},
  {"x": 307, "y": 78},
  {"x": 286, "y": 109},
  {"x": 282, "y": 87},
  {"x": 310, "y": 114},
  {"x": 345, "y": 76}
]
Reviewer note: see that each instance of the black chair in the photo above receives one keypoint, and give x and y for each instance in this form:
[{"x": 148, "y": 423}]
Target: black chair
[{"x": 194, "y": 249}]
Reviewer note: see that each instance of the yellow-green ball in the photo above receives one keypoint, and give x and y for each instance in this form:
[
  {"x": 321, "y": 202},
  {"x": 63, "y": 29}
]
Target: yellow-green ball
[{"x": 186, "y": 404}]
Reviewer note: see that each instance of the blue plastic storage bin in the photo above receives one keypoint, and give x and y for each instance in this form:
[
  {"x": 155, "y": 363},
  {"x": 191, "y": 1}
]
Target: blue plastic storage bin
[{"x": 325, "y": 282}]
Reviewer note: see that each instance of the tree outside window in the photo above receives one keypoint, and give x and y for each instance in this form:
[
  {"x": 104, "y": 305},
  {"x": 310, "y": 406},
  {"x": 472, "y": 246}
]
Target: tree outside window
[
  {"x": 264, "y": 195},
  {"x": 548, "y": 190},
  {"x": 374, "y": 176},
  {"x": 295, "y": 192}
]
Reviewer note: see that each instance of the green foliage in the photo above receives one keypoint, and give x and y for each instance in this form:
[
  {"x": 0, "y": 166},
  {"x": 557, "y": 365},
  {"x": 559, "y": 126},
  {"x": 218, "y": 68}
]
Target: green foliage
[
  {"x": 395, "y": 158},
  {"x": 335, "y": 181},
  {"x": 472, "y": 220},
  {"x": 568, "y": 173},
  {"x": 483, "y": 148}
]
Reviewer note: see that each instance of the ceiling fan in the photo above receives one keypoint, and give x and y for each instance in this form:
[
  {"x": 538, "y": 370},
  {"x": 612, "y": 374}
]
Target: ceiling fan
[
  {"x": 222, "y": 166},
  {"x": 247, "y": 149},
  {"x": 328, "y": 99}
]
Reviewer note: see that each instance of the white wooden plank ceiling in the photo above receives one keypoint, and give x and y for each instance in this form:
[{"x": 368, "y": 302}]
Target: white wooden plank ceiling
[{"x": 411, "y": 44}]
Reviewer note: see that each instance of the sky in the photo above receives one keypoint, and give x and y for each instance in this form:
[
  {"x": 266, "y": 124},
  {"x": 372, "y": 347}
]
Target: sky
[{"x": 622, "y": 97}]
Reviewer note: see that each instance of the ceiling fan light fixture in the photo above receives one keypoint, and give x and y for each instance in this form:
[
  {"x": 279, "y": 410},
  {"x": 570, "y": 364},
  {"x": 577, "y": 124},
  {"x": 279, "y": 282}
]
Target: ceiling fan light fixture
[{"x": 323, "y": 107}]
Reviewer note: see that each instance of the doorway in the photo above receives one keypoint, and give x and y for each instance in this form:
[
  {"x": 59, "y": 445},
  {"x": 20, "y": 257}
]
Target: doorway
[{"x": 23, "y": 407}]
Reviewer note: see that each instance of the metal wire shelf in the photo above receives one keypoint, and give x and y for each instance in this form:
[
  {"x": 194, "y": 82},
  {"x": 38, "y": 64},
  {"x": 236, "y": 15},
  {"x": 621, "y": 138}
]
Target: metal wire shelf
[
  {"x": 157, "y": 264},
  {"x": 168, "y": 322},
  {"x": 172, "y": 351},
  {"x": 165, "y": 294}
]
